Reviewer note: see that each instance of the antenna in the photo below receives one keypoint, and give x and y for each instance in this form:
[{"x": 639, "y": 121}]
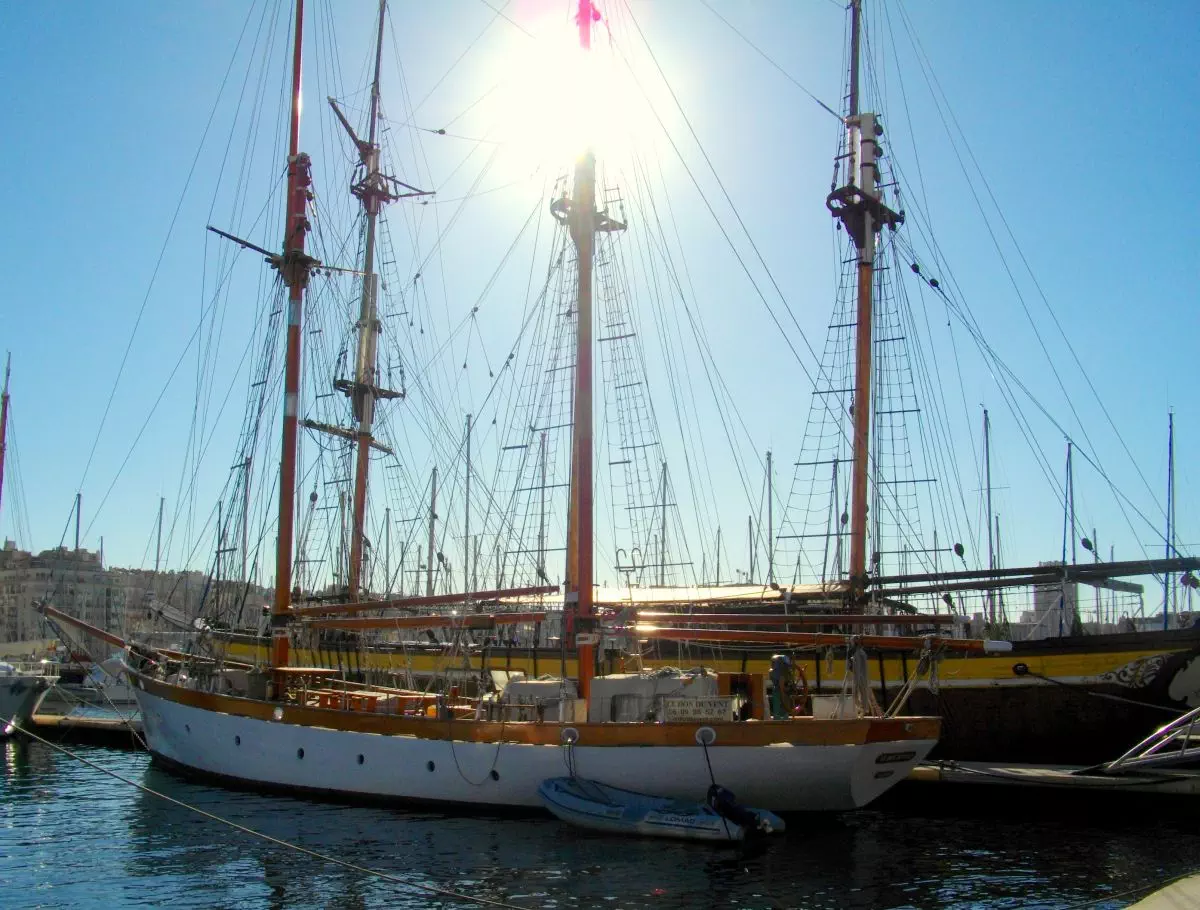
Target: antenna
[{"x": 1168, "y": 577}]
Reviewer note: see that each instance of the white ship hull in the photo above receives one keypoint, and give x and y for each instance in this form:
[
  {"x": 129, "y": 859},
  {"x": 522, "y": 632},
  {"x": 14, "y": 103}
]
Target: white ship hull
[{"x": 310, "y": 757}]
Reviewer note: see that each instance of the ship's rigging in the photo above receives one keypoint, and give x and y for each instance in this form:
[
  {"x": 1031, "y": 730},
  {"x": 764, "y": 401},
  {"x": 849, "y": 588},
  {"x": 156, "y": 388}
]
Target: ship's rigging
[{"x": 441, "y": 518}]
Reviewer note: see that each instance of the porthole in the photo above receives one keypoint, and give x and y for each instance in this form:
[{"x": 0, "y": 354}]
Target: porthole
[
  {"x": 361, "y": 759},
  {"x": 429, "y": 765},
  {"x": 299, "y": 753},
  {"x": 495, "y": 774},
  {"x": 237, "y": 740}
]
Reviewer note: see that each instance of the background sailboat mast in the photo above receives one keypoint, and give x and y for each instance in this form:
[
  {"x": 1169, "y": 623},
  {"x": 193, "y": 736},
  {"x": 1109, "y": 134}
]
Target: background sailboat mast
[
  {"x": 373, "y": 194},
  {"x": 4, "y": 421},
  {"x": 1168, "y": 578},
  {"x": 987, "y": 469},
  {"x": 294, "y": 267},
  {"x": 579, "y": 534}
]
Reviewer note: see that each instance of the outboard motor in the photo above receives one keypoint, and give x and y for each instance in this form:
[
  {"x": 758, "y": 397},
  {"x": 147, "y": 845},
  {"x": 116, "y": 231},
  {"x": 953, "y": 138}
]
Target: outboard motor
[{"x": 725, "y": 804}]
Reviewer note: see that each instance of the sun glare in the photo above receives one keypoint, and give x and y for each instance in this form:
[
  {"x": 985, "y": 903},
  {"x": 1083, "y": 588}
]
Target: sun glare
[{"x": 558, "y": 100}]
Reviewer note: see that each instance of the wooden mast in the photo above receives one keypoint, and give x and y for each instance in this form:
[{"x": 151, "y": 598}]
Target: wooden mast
[
  {"x": 863, "y": 340},
  {"x": 373, "y": 196},
  {"x": 374, "y": 190},
  {"x": 582, "y": 223},
  {"x": 858, "y": 206},
  {"x": 4, "y": 421},
  {"x": 294, "y": 266}
]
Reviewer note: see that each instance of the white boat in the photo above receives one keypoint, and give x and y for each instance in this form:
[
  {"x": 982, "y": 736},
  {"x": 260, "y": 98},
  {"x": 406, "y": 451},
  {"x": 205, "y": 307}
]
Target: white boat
[
  {"x": 19, "y": 692},
  {"x": 599, "y": 807},
  {"x": 800, "y": 764}
]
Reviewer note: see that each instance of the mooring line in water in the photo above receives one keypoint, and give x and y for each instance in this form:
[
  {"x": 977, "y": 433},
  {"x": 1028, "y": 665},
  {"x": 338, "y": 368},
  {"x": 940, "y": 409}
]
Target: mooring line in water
[
  {"x": 1143, "y": 890},
  {"x": 432, "y": 889}
]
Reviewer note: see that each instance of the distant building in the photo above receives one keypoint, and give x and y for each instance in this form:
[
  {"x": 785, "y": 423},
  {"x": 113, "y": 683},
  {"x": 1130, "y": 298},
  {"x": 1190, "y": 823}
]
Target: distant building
[
  {"x": 1054, "y": 609},
  {"x": 122, "y": 601}
]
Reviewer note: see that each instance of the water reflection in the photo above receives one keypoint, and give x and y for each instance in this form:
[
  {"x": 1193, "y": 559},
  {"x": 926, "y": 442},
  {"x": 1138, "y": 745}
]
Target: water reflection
[{"x": 88, "y": 839}]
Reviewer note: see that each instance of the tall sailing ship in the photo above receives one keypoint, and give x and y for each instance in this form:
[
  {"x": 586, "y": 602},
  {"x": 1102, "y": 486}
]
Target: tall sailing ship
[
  {"x": 338, "y": 686},
  {"x": 306, "y": 727},
  {"x": 1068, "y": 692}
]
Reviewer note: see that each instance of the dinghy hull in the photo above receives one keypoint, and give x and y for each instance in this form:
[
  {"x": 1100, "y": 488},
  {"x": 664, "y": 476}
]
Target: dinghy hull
[{"x": 597, "y": 807}]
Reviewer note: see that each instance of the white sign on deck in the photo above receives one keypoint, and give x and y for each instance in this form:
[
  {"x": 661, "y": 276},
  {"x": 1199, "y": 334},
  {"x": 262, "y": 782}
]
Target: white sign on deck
[{"x": 714, "y": 708}]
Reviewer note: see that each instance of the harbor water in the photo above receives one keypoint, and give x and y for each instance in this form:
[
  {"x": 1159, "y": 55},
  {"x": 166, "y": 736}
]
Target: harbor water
[{"x": 72, "y": 836}]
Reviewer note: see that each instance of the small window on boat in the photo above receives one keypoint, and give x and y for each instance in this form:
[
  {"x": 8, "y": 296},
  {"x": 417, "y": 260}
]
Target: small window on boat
[
  {"x": 361, "y": 759},
  {"x": 187, "y": 727},
  {"x": 299, "y": 753},
  {"x": 237, "y": 740},
  {"x": 495, "y": 774},
  {"x": 429, "y": 765}
]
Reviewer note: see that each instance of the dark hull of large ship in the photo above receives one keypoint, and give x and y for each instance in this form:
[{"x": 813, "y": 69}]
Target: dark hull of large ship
[
  {"x": 1070, "y": 700},
  {"x": 1075, "y": 700}
]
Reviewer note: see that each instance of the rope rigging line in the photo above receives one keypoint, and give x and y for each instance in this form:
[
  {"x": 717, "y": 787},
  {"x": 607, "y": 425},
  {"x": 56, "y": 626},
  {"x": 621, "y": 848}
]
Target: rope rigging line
[
  {"x": 938, "y": 442},
  {"x": 19, "y": 505},
  {"x": 154, "y": 407},
  {"x": 933, "y": 393},
  {"x": 162, "y": 251},
  {"x": 1010, "y": 377},
  {"x": 499, "y": 14},
  {"x": 763, "y": 54},
  {"x": 642, "y": 184},
  {"x": 631, "y": 401},
  {"x": 729, "y": 202},
  {"x": 942, "y": 105},
  {"x": 762, "y": 297},
  {"x": 730, "y": 241},
  {"x": 656, "y": 257},
  {"x": 675, "y": 301},
  {"x": 182, "y": 495},
  {"x": 279, "y": 842},
  {"x": 1027, "y": 432},
  {"x": 414, "y": 219},
  {"x": 921, "y": 227},
  {"x": 967, "y": 319},
  {"x": 262, "y": 53},
  {"x": 436, "y": 437}
]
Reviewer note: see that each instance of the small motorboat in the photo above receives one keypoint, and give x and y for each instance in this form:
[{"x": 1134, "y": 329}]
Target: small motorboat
[
  {"x": 20, "y": 690},
  {"x": 594, "y": 805}
]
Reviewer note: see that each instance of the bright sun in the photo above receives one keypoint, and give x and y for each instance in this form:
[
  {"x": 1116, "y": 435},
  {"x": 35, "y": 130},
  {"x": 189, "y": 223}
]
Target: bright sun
[{"x": 558, "y": 100}]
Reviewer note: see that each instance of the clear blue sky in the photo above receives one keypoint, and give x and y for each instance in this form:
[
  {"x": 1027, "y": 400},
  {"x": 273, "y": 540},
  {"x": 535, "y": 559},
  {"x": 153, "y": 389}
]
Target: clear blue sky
[{"x": 1079, "y": 115}]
